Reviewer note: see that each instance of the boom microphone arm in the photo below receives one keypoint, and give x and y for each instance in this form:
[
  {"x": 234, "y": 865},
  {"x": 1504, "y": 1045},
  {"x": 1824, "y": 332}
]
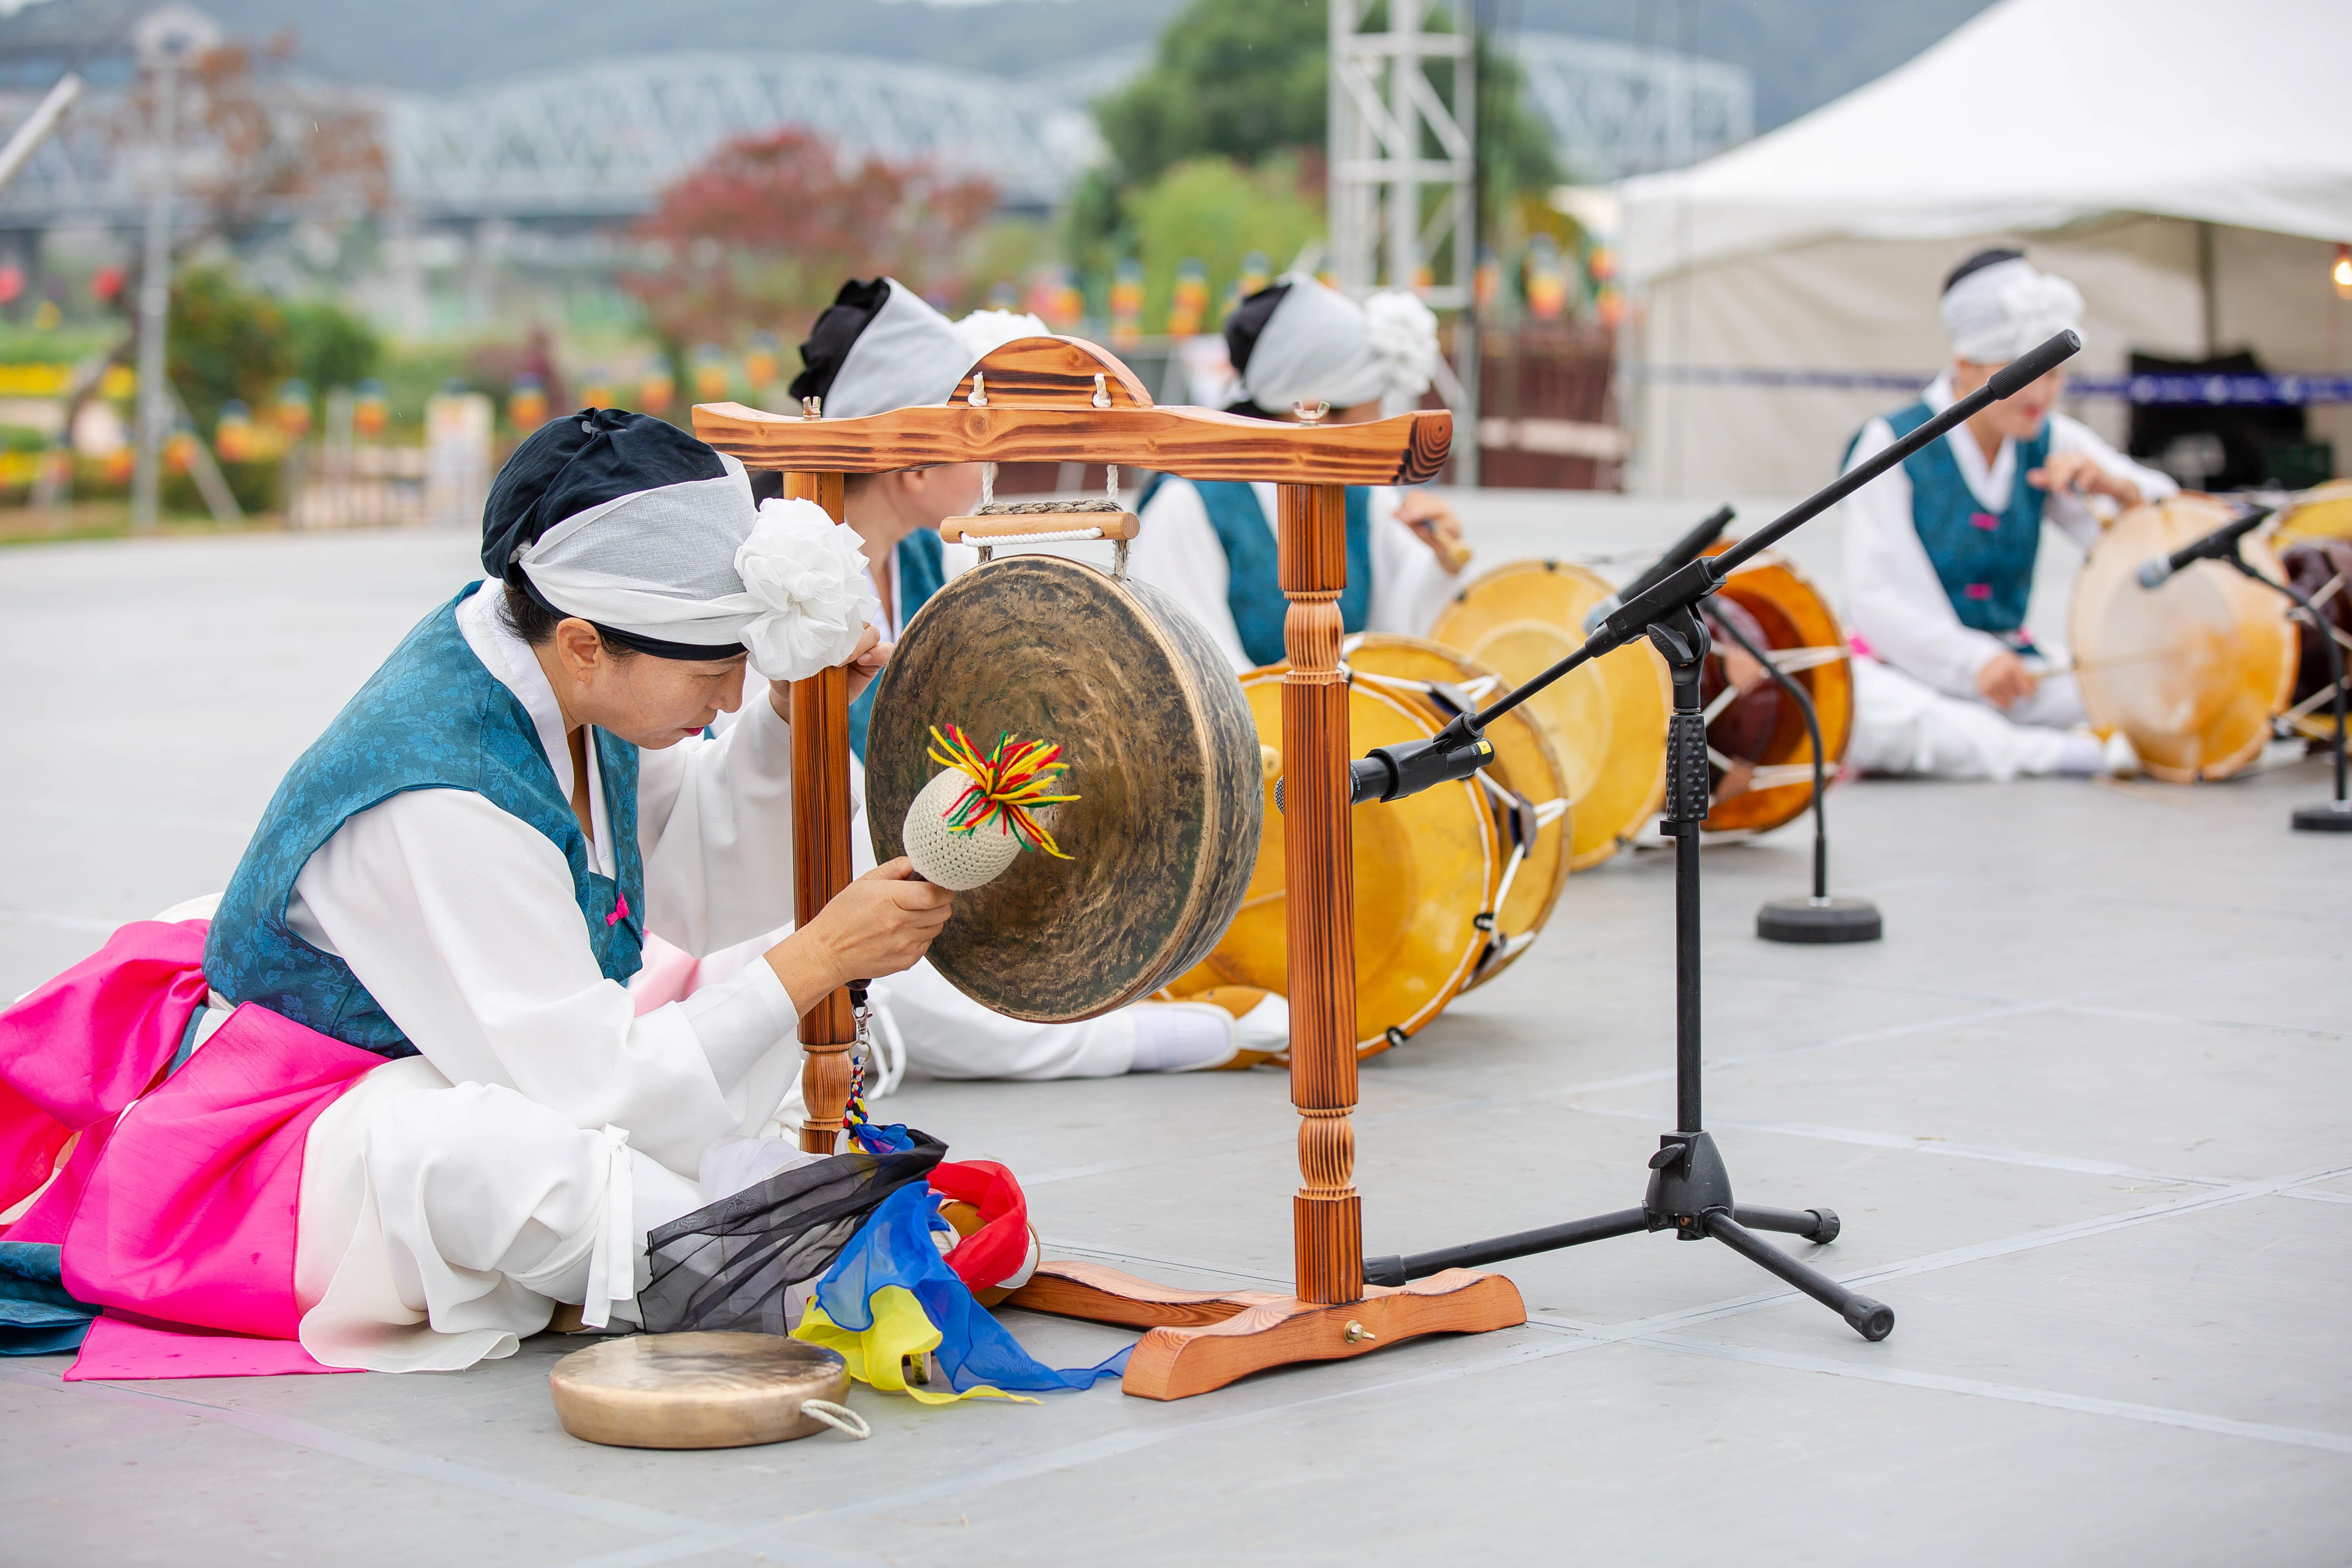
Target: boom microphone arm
[{"x": 1390, "y": 773}]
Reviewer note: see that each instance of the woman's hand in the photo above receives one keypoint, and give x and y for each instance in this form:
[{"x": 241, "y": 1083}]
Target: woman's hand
[
  {"x": 878, "y": 925},
  {"x": 864, "y": 665},
  {"x": 1439, "y": 528},
  {"x": 2004, "y": 682},
  {"x": 2074, "y": 471}
]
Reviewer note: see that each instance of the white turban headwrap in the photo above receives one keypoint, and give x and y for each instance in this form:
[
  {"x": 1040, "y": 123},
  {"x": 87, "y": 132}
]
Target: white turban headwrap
[
  {"x": 694, "y": 562},
  {"x": 1320, "y": 346},
  {"x": 1996, "y": 313},
  {"x": 906, "y": 356}
]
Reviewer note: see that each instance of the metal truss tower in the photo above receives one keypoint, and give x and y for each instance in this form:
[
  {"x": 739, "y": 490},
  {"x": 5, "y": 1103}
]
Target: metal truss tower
[{"x": 1403, "y": 172}]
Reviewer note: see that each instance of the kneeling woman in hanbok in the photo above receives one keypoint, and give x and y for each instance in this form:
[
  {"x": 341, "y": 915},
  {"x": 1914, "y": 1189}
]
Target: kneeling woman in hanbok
[{"x": 393, "y": 1102}]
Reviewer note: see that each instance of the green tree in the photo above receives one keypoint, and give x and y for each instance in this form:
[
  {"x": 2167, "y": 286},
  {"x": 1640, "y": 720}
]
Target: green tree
[
  {"x": 1214, "y": 211},
  {"x": 226, "y": 342},
  {"x": 1232, "y": 79},
  {"x": 331, "y": 346}
]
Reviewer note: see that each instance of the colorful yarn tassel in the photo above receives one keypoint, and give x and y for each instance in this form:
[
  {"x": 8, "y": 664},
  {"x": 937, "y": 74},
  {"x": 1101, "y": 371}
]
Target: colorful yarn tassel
[{"x": 1007, "y": 785}]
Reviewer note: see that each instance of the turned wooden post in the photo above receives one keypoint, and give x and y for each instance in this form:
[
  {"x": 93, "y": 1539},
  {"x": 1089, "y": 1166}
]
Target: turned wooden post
[
  {"x": 821, "y": 854},
  {"x": 1318, "y": 869}
]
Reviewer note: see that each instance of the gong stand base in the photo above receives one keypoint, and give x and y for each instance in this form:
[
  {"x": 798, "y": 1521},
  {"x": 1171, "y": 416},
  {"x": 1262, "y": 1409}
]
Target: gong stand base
[
  {"x": 1813, "y": 920},
  {"x": 2330, "y": 817},
  {"x": 1203, "y": 1340},
  {"x": 1690, "y": 1186}
]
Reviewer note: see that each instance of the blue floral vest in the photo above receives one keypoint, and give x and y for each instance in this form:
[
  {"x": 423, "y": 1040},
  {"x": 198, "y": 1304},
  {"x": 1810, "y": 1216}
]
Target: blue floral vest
[
  {"x": 1253, "y": 565},
  {"x": 1984, "y": 560},
  {"x": 432, "y": 718},
  {"x": 921, "y": 572}
]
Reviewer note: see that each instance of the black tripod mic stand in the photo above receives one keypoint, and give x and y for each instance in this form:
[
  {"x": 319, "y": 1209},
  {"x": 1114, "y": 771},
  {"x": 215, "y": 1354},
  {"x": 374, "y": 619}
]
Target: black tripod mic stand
[
  {"x": 2335, "y": 815},
  {"x": 1820, "y": 918},
  {"x": 1690, "y": 1186}
]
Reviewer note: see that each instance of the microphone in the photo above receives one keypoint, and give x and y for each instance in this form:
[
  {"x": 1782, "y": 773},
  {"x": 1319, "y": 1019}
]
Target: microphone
[
  {"x": 1680, "y": 553},
  {"x": 2217, "y": 545}
]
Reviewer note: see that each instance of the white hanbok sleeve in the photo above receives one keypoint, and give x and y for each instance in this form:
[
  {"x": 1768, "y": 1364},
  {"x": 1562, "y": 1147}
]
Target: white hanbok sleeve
[
  {"x": 1178, "y": 552},
  {"x": 715, "y": 826},
  {"x": 460, "y": 921},
  {"x": 2065, "y": 511},
  {"x": 1894, "y": 598},
  {"x": 1410, "y": 584}
]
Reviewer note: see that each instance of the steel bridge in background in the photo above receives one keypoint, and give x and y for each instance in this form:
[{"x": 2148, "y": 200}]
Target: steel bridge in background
[{"x": 598, "y": 141}]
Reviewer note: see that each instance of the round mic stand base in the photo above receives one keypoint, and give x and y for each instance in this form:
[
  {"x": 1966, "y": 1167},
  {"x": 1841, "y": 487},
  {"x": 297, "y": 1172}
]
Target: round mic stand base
[
  {"x": 2329, "y": 816},
  {"x": 1823, "y": 919}
]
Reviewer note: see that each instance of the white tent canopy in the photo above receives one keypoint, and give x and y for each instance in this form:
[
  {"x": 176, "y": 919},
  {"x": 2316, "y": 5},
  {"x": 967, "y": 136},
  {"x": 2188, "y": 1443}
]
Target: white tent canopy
[{"x": 2189, "y": 163}]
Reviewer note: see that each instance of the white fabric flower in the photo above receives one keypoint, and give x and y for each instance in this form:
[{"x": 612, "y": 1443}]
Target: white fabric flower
[{"x": 806, "y": 574}]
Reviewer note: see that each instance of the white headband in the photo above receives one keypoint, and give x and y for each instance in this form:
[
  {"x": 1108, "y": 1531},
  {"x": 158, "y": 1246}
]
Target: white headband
[
  {"x": 908, "y": 355},
  {"x": 1320, "y": 346},
  {"x": 695, "y": 564}
]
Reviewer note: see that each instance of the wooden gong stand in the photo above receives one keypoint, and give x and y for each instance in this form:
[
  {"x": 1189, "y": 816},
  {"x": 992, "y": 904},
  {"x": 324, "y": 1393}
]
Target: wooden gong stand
[{"x": 1066, "y": 400}]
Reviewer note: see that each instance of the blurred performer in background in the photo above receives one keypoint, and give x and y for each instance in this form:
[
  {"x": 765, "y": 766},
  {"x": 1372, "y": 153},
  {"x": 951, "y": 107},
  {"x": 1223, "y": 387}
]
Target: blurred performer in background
[
  {"x": 1939, "y": 552},
  {"x": 879, "y": 347},
  {"x": 1211, "y": 545}
]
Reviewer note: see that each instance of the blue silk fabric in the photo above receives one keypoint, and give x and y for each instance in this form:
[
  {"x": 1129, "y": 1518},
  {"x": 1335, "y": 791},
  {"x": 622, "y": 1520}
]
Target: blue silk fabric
[
  {"x": 921, "y": 572},
  {"x": 431, "y": 717},
  {"x": 1984, "y": 559},
  {"x": 894, "y": 1247},
  {"x": 36, "y": 1316},
  {"x": 1253, "y": 565}
]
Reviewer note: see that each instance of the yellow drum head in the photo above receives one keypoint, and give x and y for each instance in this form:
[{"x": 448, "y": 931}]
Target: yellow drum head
[
  {"x": 1525, "y": 763},
  {"x": 2191, "y": 671},
  {"x": 2322, "y": 512},
  {"x": 1607, "y": 720},
  {"x": 1425, "y": 869}
]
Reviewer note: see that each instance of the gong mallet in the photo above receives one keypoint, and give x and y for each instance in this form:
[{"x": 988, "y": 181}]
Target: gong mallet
[
  {"x": 2222, "y": 545},
  {"x": 1689, "y": 1188}
]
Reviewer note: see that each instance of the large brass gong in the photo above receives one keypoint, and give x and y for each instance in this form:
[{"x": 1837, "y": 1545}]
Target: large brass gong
[{"x": 1163, "y": 757}]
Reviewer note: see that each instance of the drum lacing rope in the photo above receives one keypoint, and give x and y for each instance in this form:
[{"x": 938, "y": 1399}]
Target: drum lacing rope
[
  {"x": 840, "y": 1417},
  {"x": 1109, "y": 502}
]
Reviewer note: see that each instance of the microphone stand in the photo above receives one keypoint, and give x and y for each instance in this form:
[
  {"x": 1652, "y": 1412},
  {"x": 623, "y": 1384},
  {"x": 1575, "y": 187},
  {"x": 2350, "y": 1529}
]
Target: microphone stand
[
  {"x": 1818, "y": 919},
  {"x": 1689, "y": 1188},
  {"x": 2335, "y": 816}
]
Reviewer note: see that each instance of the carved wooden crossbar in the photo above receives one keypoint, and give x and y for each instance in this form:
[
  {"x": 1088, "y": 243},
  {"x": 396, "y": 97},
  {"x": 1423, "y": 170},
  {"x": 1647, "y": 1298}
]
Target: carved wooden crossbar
[{"x": 1066, "y": 400}]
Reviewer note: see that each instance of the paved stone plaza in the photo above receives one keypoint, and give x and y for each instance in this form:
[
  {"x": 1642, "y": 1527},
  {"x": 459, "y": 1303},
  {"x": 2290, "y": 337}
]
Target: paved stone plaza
[{"x": 2086, "y": 1113}]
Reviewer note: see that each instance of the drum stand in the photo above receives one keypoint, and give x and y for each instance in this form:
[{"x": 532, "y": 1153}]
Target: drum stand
[
  {"x": 1690, "y": 1186},
  {"x": 2335, "y": 816},
  {"x": 1818, "y": 919}
]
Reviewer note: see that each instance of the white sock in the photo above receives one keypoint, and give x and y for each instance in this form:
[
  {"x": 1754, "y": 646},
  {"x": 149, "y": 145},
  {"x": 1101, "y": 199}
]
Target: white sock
[
  {"x": 1180, "y": 1037},
  {"x": 2082, "y": 756}
]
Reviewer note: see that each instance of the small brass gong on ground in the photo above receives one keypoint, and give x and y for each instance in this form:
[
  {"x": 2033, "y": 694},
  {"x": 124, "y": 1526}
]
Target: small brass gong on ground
[{"x": 701, "y": 1390}]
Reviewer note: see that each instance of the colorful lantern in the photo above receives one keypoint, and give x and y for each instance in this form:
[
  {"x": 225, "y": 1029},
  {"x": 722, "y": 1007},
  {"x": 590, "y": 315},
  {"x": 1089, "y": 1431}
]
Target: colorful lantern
[
  {"x": 371, "y": 413},
  {"x": 655, "y": 391},
  {"x": 1126, "y": 303},
  {"x": 762, "y": 362},
  {"x": 527, "y": 403},
  {"x": 293, "y": 409},
  {"x": 1544, "y": 275},
  {"x": 597, "y": 392},
  {"x": 232, "y": 437},
  {"x": 1190, "y": 303},
  {"x": 180, "y": 452},
  {"x": 710, "y": 373}
]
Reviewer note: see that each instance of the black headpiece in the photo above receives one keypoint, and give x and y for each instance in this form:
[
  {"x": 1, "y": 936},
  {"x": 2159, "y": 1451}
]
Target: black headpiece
[{"x": 578, "y": 461}]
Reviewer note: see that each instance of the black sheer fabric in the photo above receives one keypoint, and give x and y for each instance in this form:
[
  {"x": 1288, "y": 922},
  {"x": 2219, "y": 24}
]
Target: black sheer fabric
[{"x": 727, "y": 1266}]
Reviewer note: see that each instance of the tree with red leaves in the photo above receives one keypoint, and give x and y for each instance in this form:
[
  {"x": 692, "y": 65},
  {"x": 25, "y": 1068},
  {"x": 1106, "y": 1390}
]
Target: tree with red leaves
[{"x": 763, "y": 233}]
